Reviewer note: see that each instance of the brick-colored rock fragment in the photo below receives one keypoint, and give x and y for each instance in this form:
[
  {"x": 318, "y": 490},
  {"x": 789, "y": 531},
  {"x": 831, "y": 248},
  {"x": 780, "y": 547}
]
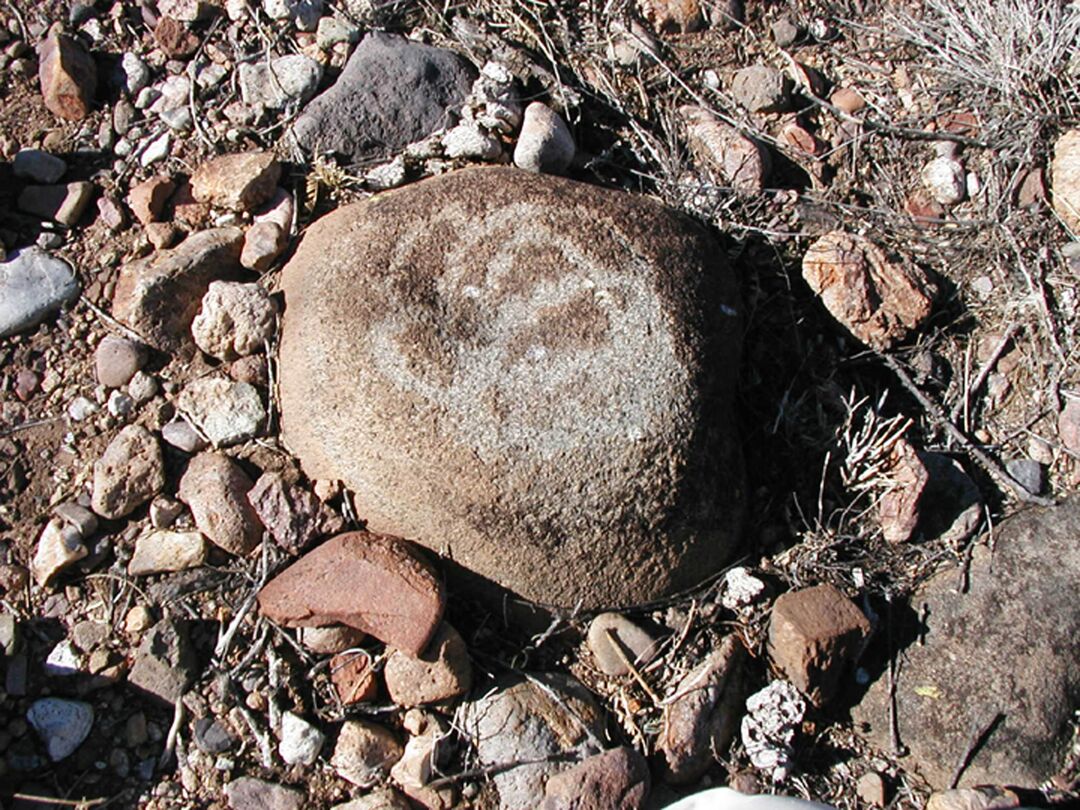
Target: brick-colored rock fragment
[
  {"x": 240, "y": 182},
  {"x": 814, "y": 634},
  {"x": 372, "y": 582},
  {"x": 444, "y": 671},
  {"x": 147, "y": 199},
  {"x": 354, "y": 677},
  {"x": 614, "y": 780},
  {"x": 68, "y": 77},
  {"x": 898, "y": 509}
]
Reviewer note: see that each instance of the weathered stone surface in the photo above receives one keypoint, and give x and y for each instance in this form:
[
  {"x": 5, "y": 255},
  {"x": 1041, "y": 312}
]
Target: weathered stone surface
[
  {"x": 729, "y": 157},
  {"x": 215, "y": 489},
  {"x": 227, "y": 412},
  {"x": 368, "y": 581},
  {"x": 301, "y": 741},
  {"x": 147, "y": 199},
  {"x": 130, "y": 472},
  {"x": 38, "y": 166},
  {"x": 814, "y": 635},
  {"x": 703, "y": 715},
  {"x": 610, "y": 629},
  {"x": 331, "y": 639},
  {"x": 392, "y": 92},
  {"x": 898, "y": 508},
  {"x": 68, "y": 77},
  {"x": 1005, "y": 647},
  {"x": 158, "y": 296},
  {"x": 365, "y": 752},
  {"x": 441, "y": 672},
  {"x": 235, "y": 320},
  {"x": 58, "y": 547},
  {"x": 545, "y": 143},
  {"x": 761, "y": 88},
  {"x": 240, "y": 182},
  {"x": 159, "y": 551},
  {"x": 63, "y": 203},
  {"x": 293, "y": 516},
  {"x": 548, "y": 395},
  {"x": 614, "y": 780},
  {"x": 878, "y": 300},
  {"x": 289, "y": 79},
  {"x": 33, "y": 284},
  {"x": 379, "y": 799},
  {"x": 263, "y": 243},
  {"x": 248, "y": 793},
  {"x": 944, "y": 179},
  {"x": 165, "y": 662},
  {"x": 353, "y": 677},
  {"x": 116, "y": 359},
  {"x": 61, "y": 724},
  {"x": 673, "y": 16},
  {"x": 1065, "y": 179}
]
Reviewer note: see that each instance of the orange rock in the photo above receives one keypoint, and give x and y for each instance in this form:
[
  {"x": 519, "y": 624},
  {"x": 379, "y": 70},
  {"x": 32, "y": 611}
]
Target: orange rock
[
  {"x": 353, "y": 677},
  {"x": 673, "y": 16},
  {"x": 848, "y": 99},
  {"x": 68, "y": 77}
]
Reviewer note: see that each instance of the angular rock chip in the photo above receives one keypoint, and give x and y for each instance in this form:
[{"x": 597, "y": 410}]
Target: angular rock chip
[
  {"x": 294, "y": 516},
  {"x": 235, "y": 320},
  {"x": 365, "y": 752},
  {"x": 240, "y": 182},
  {"x": 68, "y": 77},
  {"x": 159, "y": 551},
  {"x": 1000, "y": 660},
  {"x": 227, "y": 412},
  {"x": 898, "y": 508},
  {"x": 354, "y": 678},
  {"x": 63, "y": 203},
  {"x": 33, "y": 284},
  {"x": 879, "y": 301},
  {"x": 442, "y": 672},
  {"x": 391, "y": 93},
  {"x": 533, "y": 372},
  {"x": 215, "y": 489},
  {"x": 165, "y": 663},
  {"x": 614, "y": 780},
  {"x": 368, "y": 581},
  {"x": 673, "y": 16},
  {"x": 289, "y": 79},
  {"x": 249, "y": 793},
  {"x": 158, "y": 296},
  {"x": 130, "y": 472}
]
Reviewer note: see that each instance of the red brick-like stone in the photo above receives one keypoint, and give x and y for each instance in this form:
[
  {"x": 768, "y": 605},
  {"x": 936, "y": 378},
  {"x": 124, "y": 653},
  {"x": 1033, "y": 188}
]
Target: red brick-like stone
[
  {"x": 614, "y": 780},
  {"x": 813, "y": 635},
  {"x": 354, "y": 677},
  {"x": 372, "y": 582},
  {"x": 68, "y": 77},
  {"x": 147, "y": 199}
]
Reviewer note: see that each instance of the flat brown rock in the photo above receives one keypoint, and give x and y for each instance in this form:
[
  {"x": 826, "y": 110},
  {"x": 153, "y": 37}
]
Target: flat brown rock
[
  {"x": 241, "y": 182},
  {"x": 368, "y": 581}
]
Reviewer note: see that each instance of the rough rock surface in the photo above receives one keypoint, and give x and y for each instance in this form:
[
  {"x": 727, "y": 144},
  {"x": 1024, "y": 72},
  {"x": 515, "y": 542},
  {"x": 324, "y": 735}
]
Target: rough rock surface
[
  {"x": 130, "y": 472},
  {"x": 68, "y": 77},
  {"x": 614, "y": 780},
  {"x": 442, "y": 672},
  {"x": 1065, "y": 179},
  {"x": 720, "y": 149},
  {"x": 165, "y": 662},
  {"x": 215, "y": 489},
  {"x": 547, "y": 394},
  {"x": 240, "y": 182},
  {"x": 293, "y": 516},
  {"x": 33, "y": 284},
  {"x": 61, "y": 724},
  {"x": 1007, "y": 646},
  {"x": 248, "y": 793},
  {"x": 64, "y": 203},
  {"x": 523, "y": 720},
  {"x": 610, "y": 629},
  {"x": 159, "y": 551},
  {"x": 289, "y": 79},
  {"x": 400, "y": 600},
  {"x": 158, "y": 296},
  {"x": 365, "y": 752},
  {"x": 545, "y": 143},
  {"x": 879, "y": 301},
  {"x": 226, "y": 411},
  {"x": 392, "y": 92},
  {"x": 235, "y": 320}
]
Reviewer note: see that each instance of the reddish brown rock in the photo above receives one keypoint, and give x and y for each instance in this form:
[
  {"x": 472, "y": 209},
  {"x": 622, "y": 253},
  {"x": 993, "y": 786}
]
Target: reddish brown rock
[
  {"x": 128, "y": 474},
  {"x": 215, "y": 489},
  {"x": 923, "y": 208},
  {"x": 68, "y": 77},
  {"x": 263, "y": 243},
  {"x": 186, "y": 209},
  {"x": 673, "y": 16},
  {"x": 848, "y": 99},
  {"x": 444, "y": 671},
  {"x": 878, "y": 300},
  {"x": 1065, "y": 179},
  {"x": 240, "y": 182},
  {"x": 368, "y": 581},
  {"x": 703, "y": 713},
  {"x": 898, "y": 509},
  {"x": 1069, "y": 425},
  {"x": 294, "y": 516},
  {"x": 614, "y": 780},
  {"x": 801, "y": 140},
  {"x": 174, "y": 38},
  {"x": 814, "y": 634},
  {"x": 354, "y": 678},
  {"x": 162, "y": 235},
  {"x": 720, "y": 149},
  {"x": 147, "y": 199}
]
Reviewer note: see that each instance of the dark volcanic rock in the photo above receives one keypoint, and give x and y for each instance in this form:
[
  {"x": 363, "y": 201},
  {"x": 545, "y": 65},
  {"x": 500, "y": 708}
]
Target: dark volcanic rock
[
  {"x": 532, "y": 373},
  {"x": 392, "y": 92},
  {"x": 1002, "y": 658}
]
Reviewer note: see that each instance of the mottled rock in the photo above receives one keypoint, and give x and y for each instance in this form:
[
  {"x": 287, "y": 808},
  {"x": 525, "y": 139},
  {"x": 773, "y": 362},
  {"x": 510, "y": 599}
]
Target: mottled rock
[
  {"x": 174, "y": 38},
  {"x": 111, "y": 213},
  {"x": 320, "y": 589},
  {"x": 249, "y": 793},
  {"x": 545, "y": 143},
  {"x": 1069, "y": 425},
  {"x": 551, "y": 358},
  {"x": 848, "y": 99},
  {"x": 181, "y": 435},
  {"x": 263, "y": 243},
  {"x": 158, "y": 296},
  {"x": 61, "y": 724},
  {"x": 64, "y": 203},
  {"x": 59, "y": 546},
  {"x": 129, "y": 473},
  {"x": 353, "y": 677},
  {"x": 160, "y": 551},
  {"x": 33, "y": 284},
  {"x": 215, "y": 489},
  {"x": 898, "y": 509},
  {"x": 301, "y": 741},
  {"x": 330, "y": 639},
  {"x": 943, "y": 178},
  {"x": 610, "y": 629},
  {"x": 729, "y": 157},
  {"x": 614, "y": 780},
  {"x": 162, "y": 235},
  {"x": 441, "y": 672},
  {"x": 225, "y": 411},
  {"x": 773, "y": 717},
  {"x": 392, "y": 92},
  {"x": 38, "y": 166},
  {"x": 365, "y": 752},
  {"x": 116, "y": 359},
  {"x": 239, "y": 182},
  {"x": 534, "y": 721},
  {"x": 147, "y": 199},
  {"x": 878, "y": 300},
  {"x": 383, "y": 798},
  {"x": 235, "y": 320},
  {"x": 761, "y": 89},
  {"x": 68, "y": 76},
  {"x": 1065, "y": 179},
  {"x": 290, "y": 79},
  {"x": 631, "y": 44},
  {"x": 1000, "y": 658},
  {"x": 165, "y": 662},
  {"x": 293, "y": 516},
  {"x": 703, "y": 714}
]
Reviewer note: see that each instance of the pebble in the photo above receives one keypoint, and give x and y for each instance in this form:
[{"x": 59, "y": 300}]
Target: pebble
[
  {"x": 128, "y": 474},
  {"x": 263, "y": 243},
  {"x": 442, "y": 672},
  {"x": 381, "y": 798},
  {"x": 420, "y": 763},
  {"x": 248, "y": 793},
  {"x": 871, "y": 789},
  {"x": 181, "y": 435},
  {"x": 1028, "y": 472},
  {"x": 1069, "y": 425},
  {"x": 80, "y": 409},
  {"x": 174, "y": 39},
  {"x": 162, "y": 235},
  {"x": 469, "y": 140},
  {"x": 164, "y": 511},
  {"x": 301, "y": 741},
  {"x": 636, "y": 644},
  {"x": 1065, "y": 179},
  {"x": 631, "y": 46},
  {"x": 331, "y": 639},
  {"x": 354, "y": 678},
  {"x": 137, "y": 74},
  {"x": 673, "y": 16},
  {"x": 226, "y": 412},
  {"x": 33, "y": 284},
  {"x": 215, "y": 489},
  {"x": 238, "y": 182},
  {"x": 142, "y": 388},
  {"x": 729, "y": 156},
  {"x": 761, "y": 89},
  {"x": 38, "y": 166},
  {"x": 119, "y": 404},
  {"x": 944, "y": 178},
  {"x": 899, "y": 506},
  {"x": 304, "y": 13},
  {"x": 620, "y": 775},
  {"x": 63, "y": 661},
  {"x": 785, "y": 32},
  {"x": 316, "y": 590},
  {"x": 365, "y": 752},
  {"x": 157, "y": 150},
  {"x": 160, "y": 551},
  {"x": 147, "y": 199},
  {"x": 111, "y": 213},
  {"x": 165, "y": 663},
  {"x": 279, "y": 210},
  {"x": 67, "y": 75},
  {"x": 212, "y": 737},
  {"x": 293, "y": 516},
  {"x": 58, "y": 547},
  {"x": 332, "y": 30},
  {"x": 116, "y": 360},
  {"x": 61, "y": 724},
  {"x": 62, "y": 203},
  {"x": 298, "y": 78},
  {"x": 773, "y": 716},
  {"x": 545, "y": 143},
  {"x": 138, "y": 620},
  {"x": 88, "y": 634},
  {"x": 235, "y": 320}
]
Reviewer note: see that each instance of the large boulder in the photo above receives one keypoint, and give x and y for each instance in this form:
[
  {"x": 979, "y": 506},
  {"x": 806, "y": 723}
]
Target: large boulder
[
  {"x": 999, "y": 662},
  {"x": 529, "y": 375}
]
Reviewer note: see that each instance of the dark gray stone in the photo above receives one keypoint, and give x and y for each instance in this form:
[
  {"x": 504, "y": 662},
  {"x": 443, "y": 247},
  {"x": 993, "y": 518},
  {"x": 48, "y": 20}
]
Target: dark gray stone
[
  {"x": 165, "y": 662},
  {"x": 212, "y": 737},
  {"x": 33, "y": 284},
  {"x": 392, "y": 92},
  {"x": 1001, "y": 657}
]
